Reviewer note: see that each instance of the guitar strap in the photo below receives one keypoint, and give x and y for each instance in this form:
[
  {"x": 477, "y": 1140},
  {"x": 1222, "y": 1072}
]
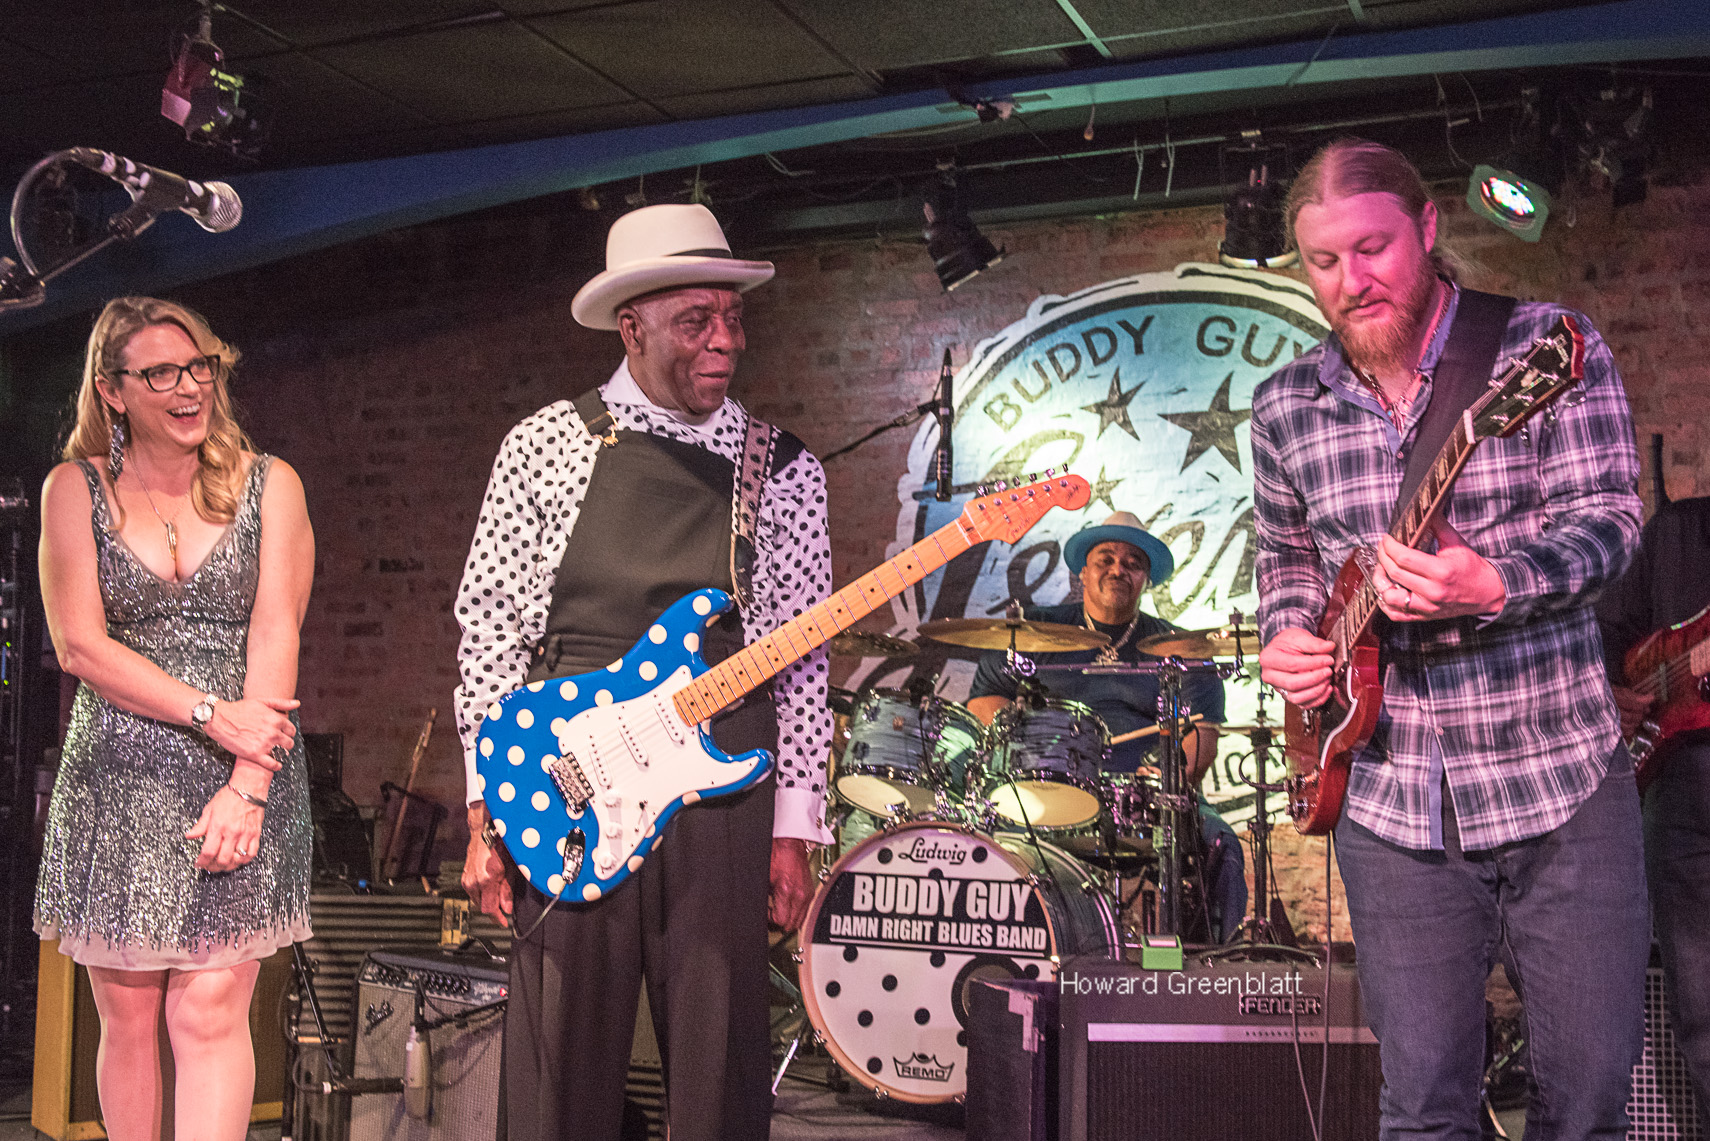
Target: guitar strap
[
  {"x": 1462, "y": 375},
  {"x": 751, "y": 476},
  {"x": 748, "y": 486}
]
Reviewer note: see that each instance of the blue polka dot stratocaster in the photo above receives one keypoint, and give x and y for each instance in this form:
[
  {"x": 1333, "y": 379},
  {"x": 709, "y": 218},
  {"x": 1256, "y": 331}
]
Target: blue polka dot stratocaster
[{"x": 583, "y": 774}]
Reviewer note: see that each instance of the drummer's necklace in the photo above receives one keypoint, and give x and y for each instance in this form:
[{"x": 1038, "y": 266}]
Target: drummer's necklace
[{"x": 1107, "y": 654}]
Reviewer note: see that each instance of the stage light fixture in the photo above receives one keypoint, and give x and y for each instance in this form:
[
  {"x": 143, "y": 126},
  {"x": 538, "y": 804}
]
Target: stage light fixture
[
  {"x": 1613, "y": 122},
  {"x": 956, "y": 246},
  {"x": 1517, "y": 191},
  {"x": 1253, "y": 233},
  {"x": 215, "y": 107}
]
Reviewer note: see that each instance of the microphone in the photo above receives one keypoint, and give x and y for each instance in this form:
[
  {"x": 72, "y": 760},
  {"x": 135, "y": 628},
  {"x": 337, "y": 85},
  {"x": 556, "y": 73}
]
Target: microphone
[
  {"x": 945, "y": 413},
  {"x": 214, "y": 206},
  {"x": 418, "y": 1074}
]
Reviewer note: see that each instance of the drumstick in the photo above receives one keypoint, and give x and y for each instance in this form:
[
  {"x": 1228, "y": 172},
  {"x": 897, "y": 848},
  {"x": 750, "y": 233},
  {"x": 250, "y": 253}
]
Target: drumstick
[{"x": 1147, "y": 731}]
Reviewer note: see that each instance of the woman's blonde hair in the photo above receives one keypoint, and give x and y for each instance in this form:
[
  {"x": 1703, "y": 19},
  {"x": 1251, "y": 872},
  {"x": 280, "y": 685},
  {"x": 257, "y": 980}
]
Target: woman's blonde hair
[{"x": 215, "y": 488}]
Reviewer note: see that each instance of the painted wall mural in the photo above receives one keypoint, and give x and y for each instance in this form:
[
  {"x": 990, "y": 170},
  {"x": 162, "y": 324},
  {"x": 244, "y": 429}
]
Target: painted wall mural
[{"x": 1144, "y": 386}]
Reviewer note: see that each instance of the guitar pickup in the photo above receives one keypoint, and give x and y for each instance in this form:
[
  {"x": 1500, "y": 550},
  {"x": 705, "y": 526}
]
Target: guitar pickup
[{"x": 572, "y": 783}]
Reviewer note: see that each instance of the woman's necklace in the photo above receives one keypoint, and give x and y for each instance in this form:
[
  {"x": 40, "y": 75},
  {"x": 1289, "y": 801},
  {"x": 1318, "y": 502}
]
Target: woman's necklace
[
  {"x": 1107, "y": 654},
  {"x": 171, "y": 525}
]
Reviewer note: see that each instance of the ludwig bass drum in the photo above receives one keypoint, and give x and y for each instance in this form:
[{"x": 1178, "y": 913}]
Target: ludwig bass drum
[{"x": 908, "y": 919}]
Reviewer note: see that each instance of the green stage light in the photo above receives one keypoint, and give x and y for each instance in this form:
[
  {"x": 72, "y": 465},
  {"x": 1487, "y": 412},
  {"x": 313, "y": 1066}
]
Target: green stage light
[{"x": 1513, "y": 201}]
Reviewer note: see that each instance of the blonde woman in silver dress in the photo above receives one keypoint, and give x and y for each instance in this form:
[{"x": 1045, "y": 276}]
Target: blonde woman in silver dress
[{"x": 175, "y": 570}]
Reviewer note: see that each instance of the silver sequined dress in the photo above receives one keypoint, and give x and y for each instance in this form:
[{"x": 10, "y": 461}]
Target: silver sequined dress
[{"x": 119, "y": 885}]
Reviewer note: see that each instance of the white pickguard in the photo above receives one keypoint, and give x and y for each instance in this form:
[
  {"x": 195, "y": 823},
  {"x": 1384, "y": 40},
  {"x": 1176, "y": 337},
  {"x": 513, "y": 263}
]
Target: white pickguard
[{"x": 640, "y": 758}]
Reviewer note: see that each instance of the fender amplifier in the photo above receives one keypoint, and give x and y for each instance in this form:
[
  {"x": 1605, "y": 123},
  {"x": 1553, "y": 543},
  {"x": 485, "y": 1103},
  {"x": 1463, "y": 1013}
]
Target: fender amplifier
[
  {"x": 1210, "y": 1052},
  {"x": 462, "y": 997}
]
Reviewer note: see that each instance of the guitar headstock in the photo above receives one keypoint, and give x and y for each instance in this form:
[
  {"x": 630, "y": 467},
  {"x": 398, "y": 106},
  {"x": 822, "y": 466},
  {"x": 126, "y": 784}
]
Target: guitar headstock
[
  {"x": 1554, "y": 364},
  {"x": 1008, "y": 514}
]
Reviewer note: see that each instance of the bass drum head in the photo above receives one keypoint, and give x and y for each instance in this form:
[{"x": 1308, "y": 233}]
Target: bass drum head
[{"x": 907, "y": 920}]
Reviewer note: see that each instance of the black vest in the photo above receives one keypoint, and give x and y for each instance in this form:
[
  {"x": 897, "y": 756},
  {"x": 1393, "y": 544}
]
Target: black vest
[{"x": 654, "y": 526}]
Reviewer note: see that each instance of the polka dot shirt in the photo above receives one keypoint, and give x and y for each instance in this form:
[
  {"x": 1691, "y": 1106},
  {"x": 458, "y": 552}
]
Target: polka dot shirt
[{"x": 533, "y": 499}]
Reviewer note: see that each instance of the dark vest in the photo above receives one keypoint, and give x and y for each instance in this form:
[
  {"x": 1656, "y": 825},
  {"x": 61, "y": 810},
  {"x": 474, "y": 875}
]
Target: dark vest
[{"x": 654, "y": 525}]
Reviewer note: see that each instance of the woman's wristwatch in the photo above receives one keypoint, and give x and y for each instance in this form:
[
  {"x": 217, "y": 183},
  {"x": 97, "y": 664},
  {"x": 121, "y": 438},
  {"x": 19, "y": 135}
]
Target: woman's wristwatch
[{"x": 203, "y": 712}]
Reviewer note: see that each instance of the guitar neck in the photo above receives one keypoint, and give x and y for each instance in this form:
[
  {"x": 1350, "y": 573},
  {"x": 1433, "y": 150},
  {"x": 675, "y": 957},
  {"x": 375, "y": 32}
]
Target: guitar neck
[
  {"x": 1411, "y": 528},
  {"x": 755, "y": 665}
]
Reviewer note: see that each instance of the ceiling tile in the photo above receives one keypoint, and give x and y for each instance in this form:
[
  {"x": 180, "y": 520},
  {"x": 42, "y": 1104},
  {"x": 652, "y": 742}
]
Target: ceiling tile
[
  {"x": 309, "y": 100},
  {"x": 712, "y": 45},
  {"x": 806, "y": 93},
  {"x": 25, "y": 68},
  {"x": 486, "y": 72},
  {"x": 90, "y": 38},
  {"x": 885, "y": 35},
  {"x": 312, "y": 22}
]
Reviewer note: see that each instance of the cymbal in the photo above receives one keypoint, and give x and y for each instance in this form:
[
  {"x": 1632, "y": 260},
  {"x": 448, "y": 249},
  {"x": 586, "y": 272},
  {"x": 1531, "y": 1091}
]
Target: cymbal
[
  {"x": 1218, "y": 642},
  {"x": 870, "y": 644},
  {"x": 1274, "y": 726},
  {"x": 995, "y": 633}
]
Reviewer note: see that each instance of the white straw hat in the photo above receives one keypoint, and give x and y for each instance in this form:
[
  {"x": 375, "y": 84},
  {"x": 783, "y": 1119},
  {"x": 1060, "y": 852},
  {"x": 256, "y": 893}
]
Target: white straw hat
[{"x": 657, "y": 247}]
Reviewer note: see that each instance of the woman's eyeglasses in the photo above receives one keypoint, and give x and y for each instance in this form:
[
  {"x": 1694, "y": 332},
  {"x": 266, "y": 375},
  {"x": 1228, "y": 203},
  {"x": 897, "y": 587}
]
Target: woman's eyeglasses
[{"x": 165, "y": 377}]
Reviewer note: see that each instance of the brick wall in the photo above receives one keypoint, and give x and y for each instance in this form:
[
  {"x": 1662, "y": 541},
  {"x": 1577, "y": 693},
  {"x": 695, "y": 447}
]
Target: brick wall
[{"x": 388, "y": 370}]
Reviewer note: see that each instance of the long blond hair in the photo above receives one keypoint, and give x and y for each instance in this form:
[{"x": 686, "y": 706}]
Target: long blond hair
[{"x": 215, "y": 488}]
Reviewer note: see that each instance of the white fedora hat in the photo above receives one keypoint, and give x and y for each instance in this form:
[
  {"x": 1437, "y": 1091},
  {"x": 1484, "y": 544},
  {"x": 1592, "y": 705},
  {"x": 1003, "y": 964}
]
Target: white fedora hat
[{"x": 658, "y": 247}]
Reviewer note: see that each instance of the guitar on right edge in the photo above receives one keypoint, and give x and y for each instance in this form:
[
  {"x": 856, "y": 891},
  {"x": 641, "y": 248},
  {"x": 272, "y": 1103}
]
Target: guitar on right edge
[
  {"x": 1321, "y": 743},
  {"x": 1673, "y": 666}
]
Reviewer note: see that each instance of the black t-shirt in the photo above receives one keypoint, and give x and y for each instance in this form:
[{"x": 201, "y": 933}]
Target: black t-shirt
[{"x": 1126, "y": 702}]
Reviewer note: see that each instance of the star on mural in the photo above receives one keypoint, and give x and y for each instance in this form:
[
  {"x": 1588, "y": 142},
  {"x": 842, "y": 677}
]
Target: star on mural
[
  {"x": 1113, "y": 409},
  {"x": 1101, "y": 489},
  {"x": 1213, "y": 428}
]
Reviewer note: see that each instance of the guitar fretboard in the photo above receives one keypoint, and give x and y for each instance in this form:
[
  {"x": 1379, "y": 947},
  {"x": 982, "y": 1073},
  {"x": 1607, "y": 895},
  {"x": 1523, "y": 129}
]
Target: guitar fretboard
[{"x": 750, "y": 668}]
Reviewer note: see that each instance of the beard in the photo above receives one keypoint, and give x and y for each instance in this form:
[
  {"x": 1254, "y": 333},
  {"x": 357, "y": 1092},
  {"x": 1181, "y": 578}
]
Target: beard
[{"x": 1390, "y": 346}]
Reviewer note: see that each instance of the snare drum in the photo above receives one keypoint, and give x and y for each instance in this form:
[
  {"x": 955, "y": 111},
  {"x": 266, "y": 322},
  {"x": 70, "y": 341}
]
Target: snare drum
[
  {"x": 901, "y": 752},
  {"x": 907, "y": 920},
  {"x": 1044, "y": 767}
]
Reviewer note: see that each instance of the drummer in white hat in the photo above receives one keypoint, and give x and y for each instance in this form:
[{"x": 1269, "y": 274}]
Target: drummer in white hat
[{"x": 627, "y": 492}]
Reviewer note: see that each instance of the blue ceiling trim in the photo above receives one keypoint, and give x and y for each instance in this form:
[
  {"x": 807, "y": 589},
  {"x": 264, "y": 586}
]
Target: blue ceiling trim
[{"x": 289, "y": 212}]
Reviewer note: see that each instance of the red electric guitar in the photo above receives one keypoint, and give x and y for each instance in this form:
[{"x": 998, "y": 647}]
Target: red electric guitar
[
  {"x": 1321, "y": 743},
  {"x": 1673, "y": 666}
]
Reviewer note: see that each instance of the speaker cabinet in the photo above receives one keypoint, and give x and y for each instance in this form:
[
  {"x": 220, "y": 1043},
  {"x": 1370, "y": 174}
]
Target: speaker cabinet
[
  {"x": 465, "y": 995},
  {"x": 65, "y": 1103},
  {"x": 1209, "y": 1053},
  {"x": 347, "y": 927},
  {"x": 1012, "y": 1060},
  {"x": 1664, "y": 1106}
]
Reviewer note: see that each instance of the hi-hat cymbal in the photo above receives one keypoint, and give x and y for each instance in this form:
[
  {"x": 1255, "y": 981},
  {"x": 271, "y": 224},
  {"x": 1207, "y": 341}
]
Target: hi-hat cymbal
[
  {"x": 870, "y": 644},
  {"x": 995, "y": 634},
  {"x": 1218, "y": 642}
]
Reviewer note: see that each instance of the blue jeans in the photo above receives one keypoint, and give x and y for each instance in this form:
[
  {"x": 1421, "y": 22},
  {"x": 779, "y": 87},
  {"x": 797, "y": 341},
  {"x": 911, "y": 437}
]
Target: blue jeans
[
  {"x": 1677, "y": 864},
  {"x": 1566, "y": 914}
]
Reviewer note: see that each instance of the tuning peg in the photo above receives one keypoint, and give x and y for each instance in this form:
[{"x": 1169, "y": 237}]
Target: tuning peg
[
  {"x": 1032, "y": 477},
  {"x": 1001, "y": 485}
]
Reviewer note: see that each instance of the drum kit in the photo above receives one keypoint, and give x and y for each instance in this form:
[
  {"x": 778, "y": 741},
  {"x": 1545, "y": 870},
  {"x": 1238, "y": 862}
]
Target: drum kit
[{"x": 998, "y": 851}]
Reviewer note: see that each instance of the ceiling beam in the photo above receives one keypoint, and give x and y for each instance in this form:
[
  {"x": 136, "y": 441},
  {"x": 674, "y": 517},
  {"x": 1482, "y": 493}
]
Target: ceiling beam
[{"x": 290, "y": 212}]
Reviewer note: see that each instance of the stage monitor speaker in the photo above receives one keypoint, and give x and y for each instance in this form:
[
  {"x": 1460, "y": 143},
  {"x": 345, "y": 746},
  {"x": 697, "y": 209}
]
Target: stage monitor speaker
[
  {"x": 1663, "y": 1106},
  {"x": 65, "y": 1104},
  {"x": 465, "y": 1057},
  {"x": 1209, "y": 1053}
]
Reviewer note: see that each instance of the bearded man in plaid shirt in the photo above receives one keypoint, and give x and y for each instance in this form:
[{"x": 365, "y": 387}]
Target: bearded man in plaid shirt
[{"x": 1493, "y": 815}]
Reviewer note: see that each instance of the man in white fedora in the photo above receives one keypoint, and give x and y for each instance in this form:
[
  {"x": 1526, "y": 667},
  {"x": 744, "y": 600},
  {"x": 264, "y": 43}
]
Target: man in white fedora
[
  {"x": 1114, "y": 562},
  {"x": 599, "y": 514}
]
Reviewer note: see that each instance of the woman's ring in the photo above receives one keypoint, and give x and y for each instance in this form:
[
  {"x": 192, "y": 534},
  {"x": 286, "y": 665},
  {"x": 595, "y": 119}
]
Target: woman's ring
[
  {"x": 279, "y": 753},
  {"x": 243, "y": 853}
]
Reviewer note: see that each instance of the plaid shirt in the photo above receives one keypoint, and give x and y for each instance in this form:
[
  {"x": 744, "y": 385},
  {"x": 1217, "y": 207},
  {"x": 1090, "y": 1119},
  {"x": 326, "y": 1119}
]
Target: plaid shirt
[{"x": 1515, "y": 709}]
